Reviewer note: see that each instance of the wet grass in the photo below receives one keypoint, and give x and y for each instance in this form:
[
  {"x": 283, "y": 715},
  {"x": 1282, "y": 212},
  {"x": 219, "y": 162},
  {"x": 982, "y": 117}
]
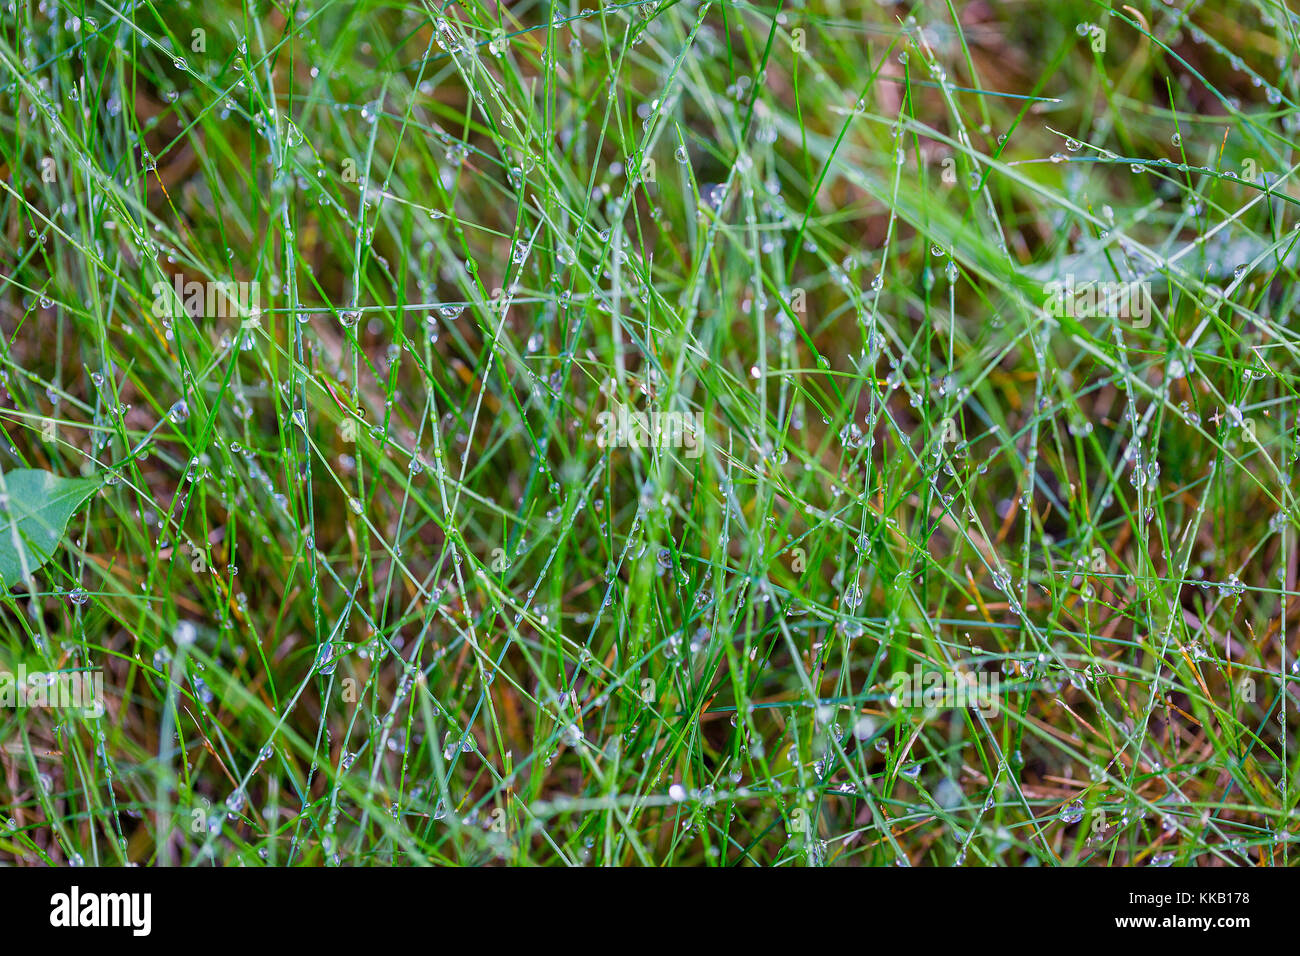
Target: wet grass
[{"x": 365, "y": 582}]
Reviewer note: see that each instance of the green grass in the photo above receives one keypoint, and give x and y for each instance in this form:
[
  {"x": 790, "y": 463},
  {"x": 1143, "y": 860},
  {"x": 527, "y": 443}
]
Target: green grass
[{"x": 375, "y": 593}]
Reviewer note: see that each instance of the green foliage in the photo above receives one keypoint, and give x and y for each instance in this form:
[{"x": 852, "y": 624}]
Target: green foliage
[
  {"x": 37, "y": 507},
  {"x": 362, "y": 305}
]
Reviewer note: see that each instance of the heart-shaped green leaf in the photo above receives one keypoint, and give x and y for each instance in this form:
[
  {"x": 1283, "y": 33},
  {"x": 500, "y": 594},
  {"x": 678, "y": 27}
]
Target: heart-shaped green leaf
[{"x": 34, "y": 509}]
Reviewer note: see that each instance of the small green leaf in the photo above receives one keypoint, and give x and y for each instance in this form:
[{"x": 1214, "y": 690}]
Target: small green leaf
[{"x": 34, "y": 509}]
